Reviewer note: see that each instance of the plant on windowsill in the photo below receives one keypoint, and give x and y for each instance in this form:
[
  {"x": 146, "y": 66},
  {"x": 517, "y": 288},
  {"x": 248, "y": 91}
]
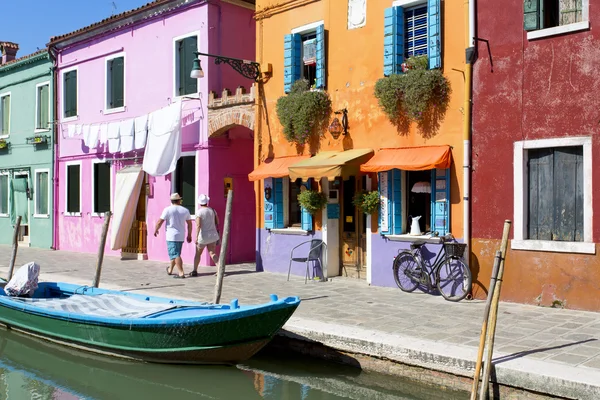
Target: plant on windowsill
[
  {"x": 303, "y": 112},
  {"x": 3, "y": 144},
  {"x": 419, "y": 95},
  {"x": 312, "y": 200},
  {"x": 367, "y": 202}
]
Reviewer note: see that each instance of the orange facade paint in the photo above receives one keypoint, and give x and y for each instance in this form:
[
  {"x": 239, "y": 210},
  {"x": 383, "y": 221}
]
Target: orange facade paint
[
  {"x": 354, "y": 63},
  {"x": 539, "y": 278}
]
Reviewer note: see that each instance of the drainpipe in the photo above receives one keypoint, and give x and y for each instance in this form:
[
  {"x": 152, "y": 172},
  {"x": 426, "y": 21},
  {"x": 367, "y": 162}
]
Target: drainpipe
[
  {"x": 54, "y": 57},
  {"x": 470, "y": 56}
]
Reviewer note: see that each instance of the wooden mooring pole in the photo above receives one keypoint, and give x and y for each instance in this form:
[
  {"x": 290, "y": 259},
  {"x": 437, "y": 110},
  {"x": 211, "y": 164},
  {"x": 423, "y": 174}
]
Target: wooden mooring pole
[
  {"x": 493, "y": 317},
  {"x": 100, "y": 259},
  {"x": 486, "y": 314},
  {"x": 15, "y": 246},
  {"x": 224, "y": 244}
]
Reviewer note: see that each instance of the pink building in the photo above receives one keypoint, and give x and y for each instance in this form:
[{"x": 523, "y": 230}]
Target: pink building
[{"x": 120, "y": 85}]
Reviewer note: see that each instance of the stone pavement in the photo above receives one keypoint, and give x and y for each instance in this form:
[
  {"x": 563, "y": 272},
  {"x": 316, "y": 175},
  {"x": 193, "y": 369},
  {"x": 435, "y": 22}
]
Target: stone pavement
[{"x": 552, "y": 351}]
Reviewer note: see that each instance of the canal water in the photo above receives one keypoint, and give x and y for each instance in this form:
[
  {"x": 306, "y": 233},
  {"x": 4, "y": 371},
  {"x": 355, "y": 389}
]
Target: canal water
[{"x": 36, "y": 369}]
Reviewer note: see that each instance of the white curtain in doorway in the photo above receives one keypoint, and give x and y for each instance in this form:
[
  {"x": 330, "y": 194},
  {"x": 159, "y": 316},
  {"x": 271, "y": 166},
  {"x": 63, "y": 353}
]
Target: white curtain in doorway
[{"x": 127, "y": 192}]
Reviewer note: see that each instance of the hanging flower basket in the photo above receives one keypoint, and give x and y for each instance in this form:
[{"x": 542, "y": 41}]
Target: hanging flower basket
[
  {"x": 37, "y": 139},
  {"x": 312, "y": 200},
  {"x": 367, "y": 202}
]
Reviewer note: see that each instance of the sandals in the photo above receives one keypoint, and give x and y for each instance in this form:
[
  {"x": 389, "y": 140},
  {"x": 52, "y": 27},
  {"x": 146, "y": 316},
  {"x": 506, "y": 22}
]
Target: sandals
[
  {"x": 169, "y": 273},
  {"x": 178, "y": 276},
  {"x": 194, "y": 273}
]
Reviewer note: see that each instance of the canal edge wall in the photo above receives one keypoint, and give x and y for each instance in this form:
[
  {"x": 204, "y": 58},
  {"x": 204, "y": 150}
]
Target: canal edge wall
[{"x": 392, "y": 353}]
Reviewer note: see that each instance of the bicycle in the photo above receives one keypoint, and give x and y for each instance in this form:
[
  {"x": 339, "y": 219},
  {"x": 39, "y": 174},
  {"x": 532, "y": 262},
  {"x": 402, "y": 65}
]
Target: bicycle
[{"x": 453, "y": 282}]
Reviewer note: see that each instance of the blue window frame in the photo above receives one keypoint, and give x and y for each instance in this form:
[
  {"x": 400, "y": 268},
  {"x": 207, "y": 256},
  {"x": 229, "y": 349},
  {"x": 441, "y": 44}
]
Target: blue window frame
[
  {"x": 295, "y": 64},
  {"x": 280, "y": 211},
  {"x": 415, "y": 32}
]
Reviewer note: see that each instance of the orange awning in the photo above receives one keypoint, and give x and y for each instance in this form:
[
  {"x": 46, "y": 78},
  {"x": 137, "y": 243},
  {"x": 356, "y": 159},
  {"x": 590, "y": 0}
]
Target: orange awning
[
  {"x": 331, "y": 164},
  {"x": 274, "y": 167},
  {"x": 409, "y": 159}
]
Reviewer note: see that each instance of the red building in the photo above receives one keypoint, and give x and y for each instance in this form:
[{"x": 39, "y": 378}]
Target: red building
[{"x": 536, "y": 119}]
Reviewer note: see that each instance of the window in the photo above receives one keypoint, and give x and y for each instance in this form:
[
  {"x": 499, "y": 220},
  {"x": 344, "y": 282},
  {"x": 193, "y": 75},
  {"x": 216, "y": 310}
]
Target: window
[
  {"x": 411, "y": 28},
  {"x": 70, "y": 94},
  {"x": 5, "y": 114},
  {"x": 185, "y": 182},
  {"x": 553, "y": 195},
  {"x": 42, "y": 193},
  {"x": 282, "y": 209},
  {"x": 407, "y": 194},
  {"x": 184, "y": 59},
  {"x": 4, "y": 194},
  {"x": 73, "y": 189},
  {"x": 115, "y": 83},
  {"x": 101, "y": 187},
  {"x": 304, "y": 56},
  {"x": 551, "y": 17},
  {"x": 42, "y": 107}
]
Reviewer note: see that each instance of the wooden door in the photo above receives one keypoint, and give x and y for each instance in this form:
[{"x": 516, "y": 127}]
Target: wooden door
[
  {"x": 352, "y": 241},
  {"x": 136, "y": 243}
]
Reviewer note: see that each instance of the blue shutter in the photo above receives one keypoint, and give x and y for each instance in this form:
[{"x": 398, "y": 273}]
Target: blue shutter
[
  {"x": 434, "y": 46},
  {"x": 269, "y": 205},
  {"x": 321, "y": 57},
  {"x": 397, "y": 202},
  {"x": 387, "y": 177},
  {"x": 278, "y": 203},
  {"x": 307, "y": 219},
  {"x": 531, "y": 15},
  {"x": 440, "y": 201},
  {"x": 292, "y": 63},
  {"x": 393, "y": 40}
]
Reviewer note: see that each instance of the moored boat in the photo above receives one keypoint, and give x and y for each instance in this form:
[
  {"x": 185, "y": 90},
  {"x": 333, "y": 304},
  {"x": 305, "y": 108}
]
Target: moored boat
[{"x": 148, "y": 328}]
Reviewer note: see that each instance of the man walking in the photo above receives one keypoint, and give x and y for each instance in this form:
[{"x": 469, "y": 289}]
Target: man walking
[
  {"x": 176, "y": 217},
  {"x": 207, "y": 223}
]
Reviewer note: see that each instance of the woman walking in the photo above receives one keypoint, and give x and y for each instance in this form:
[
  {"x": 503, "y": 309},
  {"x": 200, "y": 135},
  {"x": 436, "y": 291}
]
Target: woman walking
[{"x": 207, "y": 223}]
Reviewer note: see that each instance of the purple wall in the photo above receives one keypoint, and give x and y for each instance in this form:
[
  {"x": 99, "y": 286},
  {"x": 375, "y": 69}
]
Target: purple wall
[
  {"x": 273, "y": 253},
  {"x": 149, "y": 86}
]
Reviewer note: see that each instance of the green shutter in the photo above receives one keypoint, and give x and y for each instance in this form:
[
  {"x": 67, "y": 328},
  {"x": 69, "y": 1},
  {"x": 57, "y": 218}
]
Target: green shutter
[
  {"x": 70, "y": 92},
  {"x": 117, "y": 82},
  {"x": 73, "y": 189},
  {"x": 186, "y": 49},
  {"x": 101, "y": 187},
  {"x": 42, "y": 193},
  {"x": 186, "y": 178},
  {"x": 3, "y": 194},
  {"x": 531, "y": 15},
  {"x": 5, "y": 115},
  {"x": 43, "y": 107}
]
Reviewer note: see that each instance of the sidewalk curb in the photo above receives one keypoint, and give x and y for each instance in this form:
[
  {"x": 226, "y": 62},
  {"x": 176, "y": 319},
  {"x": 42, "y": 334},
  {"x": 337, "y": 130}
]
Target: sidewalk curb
[{"x": 533, "y": 375}]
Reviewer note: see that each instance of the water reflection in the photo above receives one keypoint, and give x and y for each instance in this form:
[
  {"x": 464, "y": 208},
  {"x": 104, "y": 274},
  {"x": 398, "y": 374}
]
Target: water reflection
[{"x": 35, "y": 369}]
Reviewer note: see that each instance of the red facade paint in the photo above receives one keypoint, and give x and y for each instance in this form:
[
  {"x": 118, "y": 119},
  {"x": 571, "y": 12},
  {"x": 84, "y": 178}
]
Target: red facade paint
[{"x": 530, "y": 89}]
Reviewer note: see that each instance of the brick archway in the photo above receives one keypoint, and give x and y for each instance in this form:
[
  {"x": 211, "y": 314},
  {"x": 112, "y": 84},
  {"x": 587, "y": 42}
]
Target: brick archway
[{"x": 228, "y": 111}]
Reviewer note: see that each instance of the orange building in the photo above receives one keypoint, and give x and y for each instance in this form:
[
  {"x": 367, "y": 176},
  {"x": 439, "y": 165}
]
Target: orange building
[{"x": 343, "y": 47}]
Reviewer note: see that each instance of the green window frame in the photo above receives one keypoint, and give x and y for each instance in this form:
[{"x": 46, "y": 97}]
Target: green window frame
[
  {"x": 185, "y": 48},
  {"x": 42, "y": 189},
  {"x": 102, "y": 187},
  {"x": 4, "y": 188},
  {"x": 73, "y": 189},
  {"x": 115, "y": 83},
  {"x": 70, "y": 94},
  {"x": 5, "y": 114},
  {"x": 42, "y": 117}
]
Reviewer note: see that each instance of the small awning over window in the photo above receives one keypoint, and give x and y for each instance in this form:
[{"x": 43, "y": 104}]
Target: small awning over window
[
  {"x": 410, "y": 159},
  {"x": 330, "y": 164},
  {"x": 274, "y": 167}
]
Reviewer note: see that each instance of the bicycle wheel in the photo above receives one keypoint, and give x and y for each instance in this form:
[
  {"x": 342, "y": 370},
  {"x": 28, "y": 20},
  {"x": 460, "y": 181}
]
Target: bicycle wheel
[
  {"x": 407, "y": 271},
  {"x": 453, "y": 279}
]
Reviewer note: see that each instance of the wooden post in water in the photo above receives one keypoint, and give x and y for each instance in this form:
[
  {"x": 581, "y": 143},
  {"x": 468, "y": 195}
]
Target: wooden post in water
[
  {"x": 224, "y": 244},
  {"x": 486, "y": 314},
  {"x": 107, "y": 216},
  {"x": 485, "y": 380},
  {"x": 15, "y": 246}
]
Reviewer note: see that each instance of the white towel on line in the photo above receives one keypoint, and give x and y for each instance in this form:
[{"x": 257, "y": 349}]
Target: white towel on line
[
  {"x": 126, "y": 133},
  {"x": 71, "y": 130},
  {"x": 103, "y": 134},
  {"x": 163, "y": 146},
  {"x": 141, "y": 131},
  {"x": 94, "y": 130},
  {"x": 114, "y": 141},
  {"x": 78, "y": 129},
  {"x": 86, "y": 135}
]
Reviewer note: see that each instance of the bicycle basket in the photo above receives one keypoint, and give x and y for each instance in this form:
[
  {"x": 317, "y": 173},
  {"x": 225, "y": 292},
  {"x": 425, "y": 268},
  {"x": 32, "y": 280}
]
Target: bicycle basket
[{"x": 455, "y": 249}]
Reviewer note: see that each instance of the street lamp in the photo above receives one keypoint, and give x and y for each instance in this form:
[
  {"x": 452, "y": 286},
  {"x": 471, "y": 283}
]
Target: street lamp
[{"x": 248, "y": 69}]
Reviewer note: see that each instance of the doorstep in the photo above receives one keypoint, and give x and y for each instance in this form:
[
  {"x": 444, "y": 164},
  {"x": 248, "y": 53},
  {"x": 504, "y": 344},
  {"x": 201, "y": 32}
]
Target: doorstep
[{"x": 134, "y": 256}]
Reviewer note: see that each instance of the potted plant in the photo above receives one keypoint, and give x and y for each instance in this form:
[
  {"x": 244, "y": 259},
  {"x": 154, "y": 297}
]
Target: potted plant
[
  {"x": 367, "y": 202},
  {"x": 3, "y": 143},
  {"x": 39, "y": 139},
  {"x": 303, "y": 112},
  {"x": 312, "y": 200},
  {"x": 419, "y": 95}
]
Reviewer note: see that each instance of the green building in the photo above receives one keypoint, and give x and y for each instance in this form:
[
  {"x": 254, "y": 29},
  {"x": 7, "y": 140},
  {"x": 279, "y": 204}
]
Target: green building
[{"x": 26, "y": 146}]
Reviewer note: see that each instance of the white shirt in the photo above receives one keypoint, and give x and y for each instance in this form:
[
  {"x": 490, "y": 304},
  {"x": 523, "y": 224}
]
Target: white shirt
[
  {"x": 208, "y": 231},
  {"x": 175, "y": 218}
]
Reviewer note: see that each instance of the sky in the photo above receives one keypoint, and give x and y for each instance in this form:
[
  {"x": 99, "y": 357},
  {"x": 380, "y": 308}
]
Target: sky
[{"x": 31, "y": 23}]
